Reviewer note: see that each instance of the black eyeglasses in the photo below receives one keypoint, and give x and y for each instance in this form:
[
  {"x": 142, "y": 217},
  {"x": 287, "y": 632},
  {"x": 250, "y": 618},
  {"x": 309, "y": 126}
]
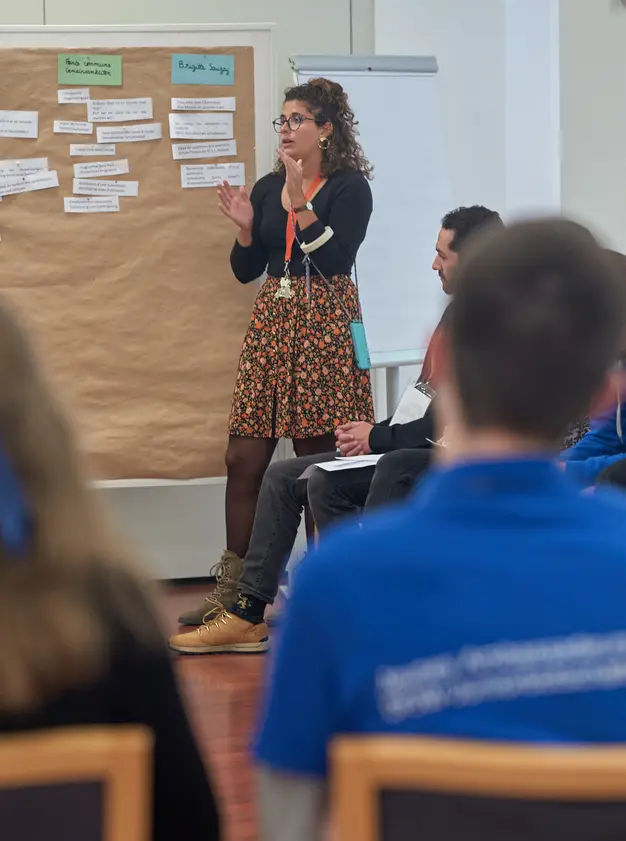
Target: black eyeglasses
[{"x": 294, "y": 121}]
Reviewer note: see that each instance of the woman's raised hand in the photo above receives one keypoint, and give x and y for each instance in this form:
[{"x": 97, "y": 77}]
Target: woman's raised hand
[{"x": 235, "y": 205}]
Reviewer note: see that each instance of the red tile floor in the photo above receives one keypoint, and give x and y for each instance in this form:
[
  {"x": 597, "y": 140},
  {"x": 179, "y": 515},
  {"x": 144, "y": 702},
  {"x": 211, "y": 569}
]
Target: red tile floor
[{"x": 223, "y": 694}]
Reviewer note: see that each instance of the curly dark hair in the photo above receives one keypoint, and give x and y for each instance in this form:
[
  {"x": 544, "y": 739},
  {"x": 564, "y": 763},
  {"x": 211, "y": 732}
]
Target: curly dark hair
[{"x": 328, "y": 102}]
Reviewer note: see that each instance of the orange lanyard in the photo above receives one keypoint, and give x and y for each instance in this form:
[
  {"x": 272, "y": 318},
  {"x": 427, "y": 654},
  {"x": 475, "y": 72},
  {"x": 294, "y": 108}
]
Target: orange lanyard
[{"x": 290, "y": 232}]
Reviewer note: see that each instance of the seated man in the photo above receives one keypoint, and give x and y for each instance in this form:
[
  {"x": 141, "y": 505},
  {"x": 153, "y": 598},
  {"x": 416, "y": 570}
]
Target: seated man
[
  {"x": 283, "y": 494},
  {"x": 502, "y": 583}
]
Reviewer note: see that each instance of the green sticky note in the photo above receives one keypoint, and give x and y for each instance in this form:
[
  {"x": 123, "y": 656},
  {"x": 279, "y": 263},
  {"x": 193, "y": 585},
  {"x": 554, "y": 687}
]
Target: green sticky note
[{"x": 83, "y": 70}]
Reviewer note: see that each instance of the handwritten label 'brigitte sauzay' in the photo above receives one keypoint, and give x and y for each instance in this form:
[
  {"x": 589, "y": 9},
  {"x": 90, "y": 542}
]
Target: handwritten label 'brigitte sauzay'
[{"x": 216, "y": 69}]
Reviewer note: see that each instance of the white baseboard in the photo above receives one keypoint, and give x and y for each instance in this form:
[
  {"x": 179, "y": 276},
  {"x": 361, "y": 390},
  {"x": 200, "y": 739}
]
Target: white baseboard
[{"x": 177, "y": 528}]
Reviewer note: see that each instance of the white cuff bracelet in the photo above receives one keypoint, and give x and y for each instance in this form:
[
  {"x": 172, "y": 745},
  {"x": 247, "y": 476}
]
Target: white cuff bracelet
[{"x": 310, "y": 247}]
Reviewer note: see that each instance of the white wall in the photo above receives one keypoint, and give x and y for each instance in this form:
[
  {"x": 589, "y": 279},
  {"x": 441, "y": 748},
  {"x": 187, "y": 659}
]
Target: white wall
[
  {"x": 498, "y": 78},
  {"x": 466, "y": 36},
  {"x": 499, "y": 82},
  {"x": 467, "y": 39},
  {"x": 532, "y": 107},
  {"x": 593, "y": 115},
  {"x": 26, "y": 12}
]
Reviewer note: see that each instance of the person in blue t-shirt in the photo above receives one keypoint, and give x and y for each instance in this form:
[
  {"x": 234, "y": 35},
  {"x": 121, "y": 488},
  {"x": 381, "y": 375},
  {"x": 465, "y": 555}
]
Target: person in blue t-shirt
[
  {"x": 491, "y": 605},
  {"x": 589, "y": 461}
]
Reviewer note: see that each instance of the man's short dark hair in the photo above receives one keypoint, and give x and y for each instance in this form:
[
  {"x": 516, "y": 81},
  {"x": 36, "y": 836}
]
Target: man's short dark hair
[
  {"x": 465, "y": 221},
  {"x": 536, "y": 324}
]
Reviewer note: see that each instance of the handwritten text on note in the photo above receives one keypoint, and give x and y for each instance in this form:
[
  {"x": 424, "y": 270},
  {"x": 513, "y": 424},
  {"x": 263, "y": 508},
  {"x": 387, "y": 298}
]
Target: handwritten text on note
[
  {"x": 92, "y": 149},
  {"x": 191, "y": 69},
  {"x": 23, "y": 166},
  {"x": 191, "y": 151},
  {"x": 67, "y": 96},
  {"x": 218, "y": 103},
  {"x": 201, "y": 126},
  {"x": 119, "y": 110},
  {"x": 19, "y": 123},
  {"x": 12, "y": 184},
  {"x": 91, "y": 187},
  {"x": 129, "y": 134},
  {"x": 212, "y": 175},
  {"x": 89, "y": 69},
  {"x": 92, "y": 204},
  {"x": 99, "y": 169},
  {"x": 72, "y": 127}
]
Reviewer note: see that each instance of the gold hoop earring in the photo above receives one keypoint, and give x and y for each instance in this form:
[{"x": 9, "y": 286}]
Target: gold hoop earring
[{"x": 323, "y": 143}]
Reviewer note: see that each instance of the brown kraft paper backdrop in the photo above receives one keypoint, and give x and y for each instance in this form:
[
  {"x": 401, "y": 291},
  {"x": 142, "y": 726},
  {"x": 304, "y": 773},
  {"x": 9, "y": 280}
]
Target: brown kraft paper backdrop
[{"x": 136, "y": 315}]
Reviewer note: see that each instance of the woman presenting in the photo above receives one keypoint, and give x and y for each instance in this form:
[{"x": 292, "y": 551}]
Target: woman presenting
[{"x": 297, "y": 374}]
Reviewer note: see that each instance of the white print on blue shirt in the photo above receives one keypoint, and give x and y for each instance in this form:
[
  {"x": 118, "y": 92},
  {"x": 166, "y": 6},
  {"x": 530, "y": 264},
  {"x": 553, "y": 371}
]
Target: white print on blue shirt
[{"x": 502, "y": 672}]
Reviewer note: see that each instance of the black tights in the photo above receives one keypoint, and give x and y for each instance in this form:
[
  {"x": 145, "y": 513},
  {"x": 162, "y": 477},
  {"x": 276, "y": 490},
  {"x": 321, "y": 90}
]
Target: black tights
[{"x": 247, "y": 460}]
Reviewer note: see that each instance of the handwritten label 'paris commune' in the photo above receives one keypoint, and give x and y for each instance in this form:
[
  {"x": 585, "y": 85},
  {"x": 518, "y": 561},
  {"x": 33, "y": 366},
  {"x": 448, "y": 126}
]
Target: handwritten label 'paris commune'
[{"x": 74, "y": 69}]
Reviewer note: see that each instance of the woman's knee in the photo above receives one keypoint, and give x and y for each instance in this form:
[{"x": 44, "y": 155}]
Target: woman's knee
[
  {"x": 247, "y": 457},
  {"x": 233, "y": 458}
]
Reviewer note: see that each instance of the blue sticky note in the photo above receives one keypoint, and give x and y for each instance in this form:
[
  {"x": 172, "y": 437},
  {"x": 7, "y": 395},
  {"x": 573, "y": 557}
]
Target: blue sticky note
[{"x": 189, "y": 69}]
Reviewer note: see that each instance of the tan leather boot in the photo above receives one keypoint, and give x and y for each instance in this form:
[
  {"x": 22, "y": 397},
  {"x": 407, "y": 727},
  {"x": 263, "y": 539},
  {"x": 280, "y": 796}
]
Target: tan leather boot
[
  {"x": 225, "y": 634},
  {"x": 227, "y": 572}
]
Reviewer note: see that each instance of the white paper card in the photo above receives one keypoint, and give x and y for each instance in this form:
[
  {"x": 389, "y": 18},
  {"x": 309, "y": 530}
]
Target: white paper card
[
  {"x": 350, "y": 463},
  {"x": 92, "y": 204},
  {"x": 129, "y": 134},
  {"x": 72, "y": 127},
  {"x": 119, "y": 110},
  {"x": 412, "y": 405},
  {"x": 90, "y": 187},
  {"x": 23, "y": 166},
  {"x": 201, "y": 126},
  {"x": 191, "y": 151},
  {"x": 70, "y": 95},
  {"x": 10, "y": 185},
  {"x": 98, "y": 169},
  {"x": 212, "y": 175},
  {"x": 84, "y": 149},
  {"x": 19, "y": 123},
  {"x": 220, "y": 103}
]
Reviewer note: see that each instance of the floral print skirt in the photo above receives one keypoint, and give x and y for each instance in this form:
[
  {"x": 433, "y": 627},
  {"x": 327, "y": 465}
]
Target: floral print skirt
[{"x": 297, "y": 374}]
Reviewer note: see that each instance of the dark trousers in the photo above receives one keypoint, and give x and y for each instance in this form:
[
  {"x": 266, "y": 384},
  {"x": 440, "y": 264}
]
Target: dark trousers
[
  {"x": 614, "y": 474},
  {"x": 330, "y": 496},
  {"x": 334, "y": 495}
]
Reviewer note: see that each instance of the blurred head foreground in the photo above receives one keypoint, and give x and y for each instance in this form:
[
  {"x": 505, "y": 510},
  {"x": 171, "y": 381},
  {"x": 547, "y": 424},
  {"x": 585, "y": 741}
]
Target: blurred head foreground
[
  {"x": 535, "y": 329},
  {"x": 52, "y": 541}
]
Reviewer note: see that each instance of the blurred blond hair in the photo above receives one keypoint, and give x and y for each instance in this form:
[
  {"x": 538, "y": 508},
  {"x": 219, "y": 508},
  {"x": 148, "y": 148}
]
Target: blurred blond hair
[{"x": 58, "y": 600}]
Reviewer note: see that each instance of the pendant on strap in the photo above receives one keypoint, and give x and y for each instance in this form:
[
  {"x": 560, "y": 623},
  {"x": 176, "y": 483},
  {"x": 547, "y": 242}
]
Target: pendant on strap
[{"x": 285, "y": 290}]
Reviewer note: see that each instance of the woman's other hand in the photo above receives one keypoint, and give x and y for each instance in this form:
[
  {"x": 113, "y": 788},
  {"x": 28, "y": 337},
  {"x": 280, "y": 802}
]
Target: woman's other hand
[{"x": 236, "y": 206}]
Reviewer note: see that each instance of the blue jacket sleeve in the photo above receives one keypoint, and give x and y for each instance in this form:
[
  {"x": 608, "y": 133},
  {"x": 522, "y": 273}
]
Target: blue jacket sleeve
[{"x": 599, "y": 448}]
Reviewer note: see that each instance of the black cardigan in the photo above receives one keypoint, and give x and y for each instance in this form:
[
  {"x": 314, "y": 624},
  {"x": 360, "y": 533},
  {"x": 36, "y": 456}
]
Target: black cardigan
[{"x": 344, "y": 203}]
